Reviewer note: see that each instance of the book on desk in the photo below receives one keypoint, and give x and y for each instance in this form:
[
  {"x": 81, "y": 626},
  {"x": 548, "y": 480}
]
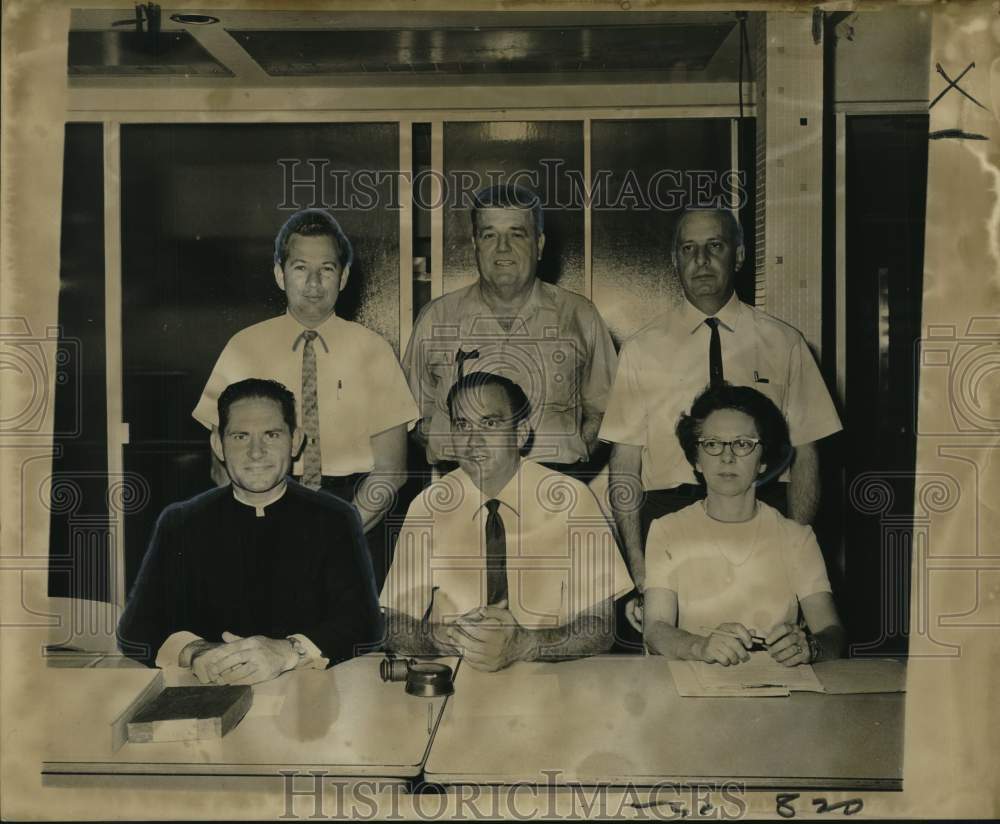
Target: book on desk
[{"x": 190, "y": 713}]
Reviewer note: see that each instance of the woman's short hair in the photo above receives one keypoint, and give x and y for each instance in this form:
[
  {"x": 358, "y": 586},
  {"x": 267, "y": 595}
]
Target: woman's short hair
[
  {"x": 771, "y": 425},
  {"x": 257, "y": 388},
  {"x": 312, "y": 223}
]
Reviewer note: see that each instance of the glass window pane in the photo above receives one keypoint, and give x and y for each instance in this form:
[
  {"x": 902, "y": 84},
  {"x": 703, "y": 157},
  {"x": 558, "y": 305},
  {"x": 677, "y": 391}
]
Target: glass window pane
[
  {"x": 546, "y": 157},
  {"x": 644, "y": 173},
  {"x": 80, "y": 533}
]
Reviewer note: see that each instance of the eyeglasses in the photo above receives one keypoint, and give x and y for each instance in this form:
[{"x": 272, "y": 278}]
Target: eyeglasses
[{"x": 740, "y": 447}]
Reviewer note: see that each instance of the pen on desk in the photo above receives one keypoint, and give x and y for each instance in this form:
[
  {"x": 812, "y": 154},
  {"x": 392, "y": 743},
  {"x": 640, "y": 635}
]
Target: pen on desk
[{"x": 754, "y": 639}]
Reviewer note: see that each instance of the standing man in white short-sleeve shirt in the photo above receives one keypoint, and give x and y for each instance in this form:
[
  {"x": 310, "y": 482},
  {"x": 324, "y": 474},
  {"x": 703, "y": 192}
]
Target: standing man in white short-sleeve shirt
[
  {"x": 712, "y": 337},
  {"x": 353, "y": 400}
]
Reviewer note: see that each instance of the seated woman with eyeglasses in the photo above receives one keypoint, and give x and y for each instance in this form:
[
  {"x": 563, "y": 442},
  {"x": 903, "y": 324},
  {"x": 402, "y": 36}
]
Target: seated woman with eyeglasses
[{"x": 729, "y": 574}]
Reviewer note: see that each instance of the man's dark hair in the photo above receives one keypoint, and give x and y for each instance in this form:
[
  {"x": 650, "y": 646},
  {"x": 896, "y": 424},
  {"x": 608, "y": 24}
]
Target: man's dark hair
[
  {"x": 508, "y": 196},
  {"x": 520, "y": 406},
  {"x": 731, "y": 223},
  {"x": 312, "y": 223},
  {"x": 257, "y": 388},
  {"x": 771, "y": 425}
]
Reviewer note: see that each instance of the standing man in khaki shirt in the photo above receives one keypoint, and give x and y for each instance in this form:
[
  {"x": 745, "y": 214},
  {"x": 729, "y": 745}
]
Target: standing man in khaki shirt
[{"x": 548, "y": 340}]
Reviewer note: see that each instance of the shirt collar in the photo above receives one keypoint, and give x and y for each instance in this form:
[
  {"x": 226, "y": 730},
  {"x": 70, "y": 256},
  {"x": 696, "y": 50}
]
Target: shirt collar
[
  {"x": 324, "y": 332},
  {"x": 277, "y": 494},
  {"x": 509, "y": 496},
  {"x": 539, "y": 298},
  {"x": 728, "y": 315}
]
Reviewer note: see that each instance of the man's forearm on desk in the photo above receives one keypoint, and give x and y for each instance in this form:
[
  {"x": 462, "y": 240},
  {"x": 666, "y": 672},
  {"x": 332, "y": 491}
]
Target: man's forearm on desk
[
  {"x": 405, "y": 634},
  {"x": 586, "y": 635}
]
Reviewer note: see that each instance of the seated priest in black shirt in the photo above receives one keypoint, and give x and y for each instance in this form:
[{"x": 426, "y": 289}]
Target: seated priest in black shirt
[{"x": 253, "y": 579}]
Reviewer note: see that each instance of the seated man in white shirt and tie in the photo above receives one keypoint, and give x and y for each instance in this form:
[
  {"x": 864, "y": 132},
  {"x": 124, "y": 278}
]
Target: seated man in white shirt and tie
[
  {"x": 502, "y": 560},
  {"x": 354, "y": 402}
]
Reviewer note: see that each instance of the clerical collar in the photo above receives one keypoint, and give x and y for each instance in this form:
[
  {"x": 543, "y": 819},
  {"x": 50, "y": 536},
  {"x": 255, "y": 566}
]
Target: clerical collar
[{"x": 278, "y": 493}]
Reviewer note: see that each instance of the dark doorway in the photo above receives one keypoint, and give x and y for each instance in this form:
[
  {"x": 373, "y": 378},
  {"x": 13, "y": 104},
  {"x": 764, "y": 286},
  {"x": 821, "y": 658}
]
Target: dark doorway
[{"x": 886, "y": 192}]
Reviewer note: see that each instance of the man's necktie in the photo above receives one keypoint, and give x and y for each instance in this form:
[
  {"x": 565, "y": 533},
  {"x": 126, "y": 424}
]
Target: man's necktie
[
  {"x": 496, "y": 554},
  {"x": 312, "y": 458},
  {"x": 715, "y": 377}
]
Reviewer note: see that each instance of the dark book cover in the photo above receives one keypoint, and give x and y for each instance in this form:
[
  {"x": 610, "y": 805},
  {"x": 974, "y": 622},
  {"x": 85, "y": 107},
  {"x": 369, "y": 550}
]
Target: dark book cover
[{"x": 189, "y": 713}]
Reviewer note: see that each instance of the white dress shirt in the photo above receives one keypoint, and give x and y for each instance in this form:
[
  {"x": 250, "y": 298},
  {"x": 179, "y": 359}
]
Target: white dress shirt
[
  {"x": 664, "y": 366},
  {"x": 562, "y": 558},
  {"x": 361, "y": 387}
]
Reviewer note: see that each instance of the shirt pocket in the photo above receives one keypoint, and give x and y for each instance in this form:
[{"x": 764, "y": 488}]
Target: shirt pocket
[
  {"x": 776, "y": 391},
  {"x": 559, "y": 367}
]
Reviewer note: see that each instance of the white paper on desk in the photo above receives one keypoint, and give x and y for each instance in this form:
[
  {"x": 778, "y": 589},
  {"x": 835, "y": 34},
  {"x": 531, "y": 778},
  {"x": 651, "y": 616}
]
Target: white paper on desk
[
  {"x": 761, "y": 676},
  {"x": 760, "y": 671}
]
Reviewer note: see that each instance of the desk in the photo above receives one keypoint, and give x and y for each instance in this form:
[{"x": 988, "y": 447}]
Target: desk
[
  {"x": 344, "y": 721},
  {"x": 618, "y": 719}
]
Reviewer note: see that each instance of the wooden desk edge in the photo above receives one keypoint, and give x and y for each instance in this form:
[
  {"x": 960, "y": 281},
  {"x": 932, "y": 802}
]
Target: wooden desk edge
[{"x": 566, "y": 783}]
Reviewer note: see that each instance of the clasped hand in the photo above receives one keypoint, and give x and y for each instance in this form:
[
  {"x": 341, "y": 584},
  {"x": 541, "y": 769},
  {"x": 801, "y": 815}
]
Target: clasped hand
[
  {"x": 242, "y": 660},
  {"x": 488, "y": 638},
  {"x": 786, "y": 643}
]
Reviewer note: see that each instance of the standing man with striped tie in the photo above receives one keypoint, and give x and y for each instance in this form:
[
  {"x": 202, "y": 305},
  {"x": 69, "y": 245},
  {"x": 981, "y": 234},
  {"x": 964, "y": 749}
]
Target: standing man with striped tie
[
  {"x": 355, "y": 404},
  {"x": 710, "y": 338},
  {"x": 502, "y": 559}
]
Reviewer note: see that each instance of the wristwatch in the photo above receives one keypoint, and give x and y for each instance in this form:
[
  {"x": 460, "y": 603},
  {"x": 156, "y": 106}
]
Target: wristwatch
[
  {"x": 815, "y": 650},
  {"x": 299, "y": 648}
]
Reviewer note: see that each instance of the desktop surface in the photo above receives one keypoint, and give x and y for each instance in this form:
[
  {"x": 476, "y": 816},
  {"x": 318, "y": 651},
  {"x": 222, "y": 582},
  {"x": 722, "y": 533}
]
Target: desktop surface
[
  {"x": 619, "y": 720},
  {"x": 343, "y": 720}
]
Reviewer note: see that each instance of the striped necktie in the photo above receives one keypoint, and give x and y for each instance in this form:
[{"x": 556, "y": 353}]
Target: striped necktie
[{"x": 312, "y": 457}]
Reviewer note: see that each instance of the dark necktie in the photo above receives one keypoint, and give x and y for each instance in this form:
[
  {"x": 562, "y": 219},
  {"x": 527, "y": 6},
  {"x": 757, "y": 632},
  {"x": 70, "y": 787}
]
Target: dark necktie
[
  {"x": 496, "y": 554},
  {"x": 714, "y": 354},
  {"x": 312, "y": 457}
]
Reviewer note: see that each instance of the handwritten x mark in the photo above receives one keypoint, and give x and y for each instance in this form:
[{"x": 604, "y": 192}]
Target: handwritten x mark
[{"x": 953, "y": 84}]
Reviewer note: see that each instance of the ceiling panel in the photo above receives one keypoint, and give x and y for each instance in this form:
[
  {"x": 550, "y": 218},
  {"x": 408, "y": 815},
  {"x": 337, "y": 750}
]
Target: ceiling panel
[{"x": 290, "y": 53}]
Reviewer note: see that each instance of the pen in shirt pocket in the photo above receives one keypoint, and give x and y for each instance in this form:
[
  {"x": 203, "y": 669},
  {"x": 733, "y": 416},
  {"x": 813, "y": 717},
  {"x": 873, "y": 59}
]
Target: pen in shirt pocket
[
  {"x": 758, "y": 379},
  {"x": 340, "y": 386}
]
